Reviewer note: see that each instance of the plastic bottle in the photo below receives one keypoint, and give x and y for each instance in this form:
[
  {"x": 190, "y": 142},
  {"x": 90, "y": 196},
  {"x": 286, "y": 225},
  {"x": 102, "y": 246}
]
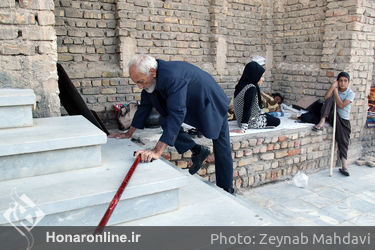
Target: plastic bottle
[{"x": 277, "y": 114}]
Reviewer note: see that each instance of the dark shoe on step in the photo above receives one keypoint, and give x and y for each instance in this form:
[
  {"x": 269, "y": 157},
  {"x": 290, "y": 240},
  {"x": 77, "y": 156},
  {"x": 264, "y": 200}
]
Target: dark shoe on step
[
  {"x": 344, "y": 171},
  {"x": 198, "y": 159},
  {"x": 230, "y": 190},
  {"x": 193, "y": 132}
]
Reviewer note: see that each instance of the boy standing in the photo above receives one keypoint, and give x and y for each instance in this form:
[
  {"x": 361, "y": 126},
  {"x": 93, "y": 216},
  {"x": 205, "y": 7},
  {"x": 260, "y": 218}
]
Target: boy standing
[{"x": 343, "y": 96}]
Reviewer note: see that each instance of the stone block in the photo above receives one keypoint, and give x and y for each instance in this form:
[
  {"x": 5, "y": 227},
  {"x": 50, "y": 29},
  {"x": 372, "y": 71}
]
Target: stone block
[
  {"x": 92, "y": 14},
  {"x": 263, "y": 149},
  {"x": 181, "y": 164},
  {"x": 16, "y": 107},
  {"x": 210, "y": 169},
  {"x": 166, "y": 155},
  {"x": 248, "y": 152},
  {"x": 77, "y": 49},
  {"x": 17, "y": 48},
  {"x": 77, "y": 33},
  {"x": 239, "y": 154},
  {"x": 41, "y": 33},
  {"x": 292, "y": 152},
  {"x": 7, "y": 4},
  {"x": 7, "y": 17},
  {"x": 253, "y": 142},
  {"x": 175, "y": 155},
  {"x": 42, "y": 5},
  {"x": 65, "y": 58},
  {"x": 8, "y": 33},
  {"x": 244, "y": 144},
  {"x": 267, "y": 156},
  {"x": 108, "y": 91},
  {"x": 236, "y": 146},
  {"x": 124, "y": 90},
  {"x": 282, "y": 138},
  {"x": 76, "y": 13},
  {"x": 95, "y": 33},
  {"x": 47, "y": 48},
  {"x": 46, "y": 18},
  {"x": 31, "y": 150},
  {"x": 281, "y": 154},
  {"x": 260, "y": 141},
  {"x": 246, "y": 162},
  {"x": 270, "y": 147},
  {"x": 91, "y": 91},
  {"x": 25, "y": 165}
]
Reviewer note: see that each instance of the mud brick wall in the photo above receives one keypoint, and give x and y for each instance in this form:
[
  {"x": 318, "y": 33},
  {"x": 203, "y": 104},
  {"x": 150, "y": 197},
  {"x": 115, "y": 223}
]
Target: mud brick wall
[
  {"x": 87, "y": 49},
  {"x": 28, "y": 53},
  {"x": 298, "y": 36},
  {"x": 96, "y": 39}
]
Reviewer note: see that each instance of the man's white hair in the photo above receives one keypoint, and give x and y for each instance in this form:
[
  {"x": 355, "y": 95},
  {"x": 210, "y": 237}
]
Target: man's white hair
[{"x": 143, "y": 63}]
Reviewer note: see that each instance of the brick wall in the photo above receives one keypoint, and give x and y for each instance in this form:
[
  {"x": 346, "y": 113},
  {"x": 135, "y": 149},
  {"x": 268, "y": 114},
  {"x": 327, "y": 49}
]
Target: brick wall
[
  {"x": 267, "y": 157},
  {"x": 87, "y": 49},
  {"x": 28, "y": 51},
  {"x": 297, "y": 48},
  {"x": 96, "y": 39},
  {"x": 306, "y": 44}
]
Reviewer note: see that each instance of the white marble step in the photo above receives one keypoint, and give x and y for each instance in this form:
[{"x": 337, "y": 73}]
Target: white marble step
[
  {"x": 81, "y": 197},
  {"x": 16, "y": 107},
  {"x": 204, "y": 204},
  {"x": 52, "y": 145}
]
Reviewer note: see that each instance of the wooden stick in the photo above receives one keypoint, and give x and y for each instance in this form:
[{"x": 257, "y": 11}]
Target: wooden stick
[
  {"x": 99, "y": 229},
  {"x": 333, "y": 139}
]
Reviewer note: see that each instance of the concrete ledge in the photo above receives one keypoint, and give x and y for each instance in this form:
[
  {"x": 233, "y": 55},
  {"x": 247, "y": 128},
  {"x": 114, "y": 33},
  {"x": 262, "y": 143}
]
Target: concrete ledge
[
  {"x": 49, "y": 134},
  {"x": 53, "y": 145},
  {"x": 16, "y": 108},
  {"x": 16, "y": 116},
  {"x": 48, "y": 162},
  {"x": 16, "y": 97}
]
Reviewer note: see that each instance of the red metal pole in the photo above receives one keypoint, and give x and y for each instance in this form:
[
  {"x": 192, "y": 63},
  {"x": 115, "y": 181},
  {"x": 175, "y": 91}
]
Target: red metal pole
[{"x": 99, "y": 229}]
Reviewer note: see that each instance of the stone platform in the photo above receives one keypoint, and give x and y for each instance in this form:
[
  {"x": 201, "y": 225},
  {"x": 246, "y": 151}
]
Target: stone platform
[
  {"x": 52, "y": 145},
  {"x": 262, "y": 155},
  {"x": 16, "y": 107},
  {"x": 81, "y": 197}
]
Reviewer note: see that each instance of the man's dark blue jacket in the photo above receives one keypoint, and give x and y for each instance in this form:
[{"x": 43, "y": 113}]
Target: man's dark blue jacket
[{"x": 184, "y": 93}]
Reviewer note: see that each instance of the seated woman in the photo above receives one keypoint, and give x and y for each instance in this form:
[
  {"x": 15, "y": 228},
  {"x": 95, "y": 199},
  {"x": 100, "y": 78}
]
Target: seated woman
[{"x": 248, "y": 102}]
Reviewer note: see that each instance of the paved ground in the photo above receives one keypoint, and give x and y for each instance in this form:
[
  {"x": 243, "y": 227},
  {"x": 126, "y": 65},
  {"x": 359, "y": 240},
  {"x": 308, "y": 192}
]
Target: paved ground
[{"x": 336, "y": 200}]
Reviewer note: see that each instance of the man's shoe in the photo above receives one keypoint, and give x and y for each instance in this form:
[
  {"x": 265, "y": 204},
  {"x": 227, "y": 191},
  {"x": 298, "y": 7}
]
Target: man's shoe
[
  {"x": 198, "y": 159},
  {"x": 230, "y": 190},
  {"x": 344, "y": 171},
  {"x": 193, "y": 132}
]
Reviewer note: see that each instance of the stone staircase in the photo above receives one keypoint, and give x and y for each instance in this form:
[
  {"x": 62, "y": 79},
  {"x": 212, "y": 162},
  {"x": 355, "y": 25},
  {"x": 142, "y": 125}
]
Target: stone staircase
[{"x": 62, "y": 171}]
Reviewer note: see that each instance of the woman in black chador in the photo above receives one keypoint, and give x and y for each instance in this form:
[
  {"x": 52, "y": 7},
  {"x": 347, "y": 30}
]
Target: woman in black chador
[{"x": 247, "y": 100}]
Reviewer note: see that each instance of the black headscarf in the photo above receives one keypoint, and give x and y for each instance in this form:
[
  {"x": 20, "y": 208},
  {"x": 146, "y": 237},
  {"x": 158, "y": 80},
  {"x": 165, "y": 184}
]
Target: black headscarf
[{"x": 251, "y": 74}]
